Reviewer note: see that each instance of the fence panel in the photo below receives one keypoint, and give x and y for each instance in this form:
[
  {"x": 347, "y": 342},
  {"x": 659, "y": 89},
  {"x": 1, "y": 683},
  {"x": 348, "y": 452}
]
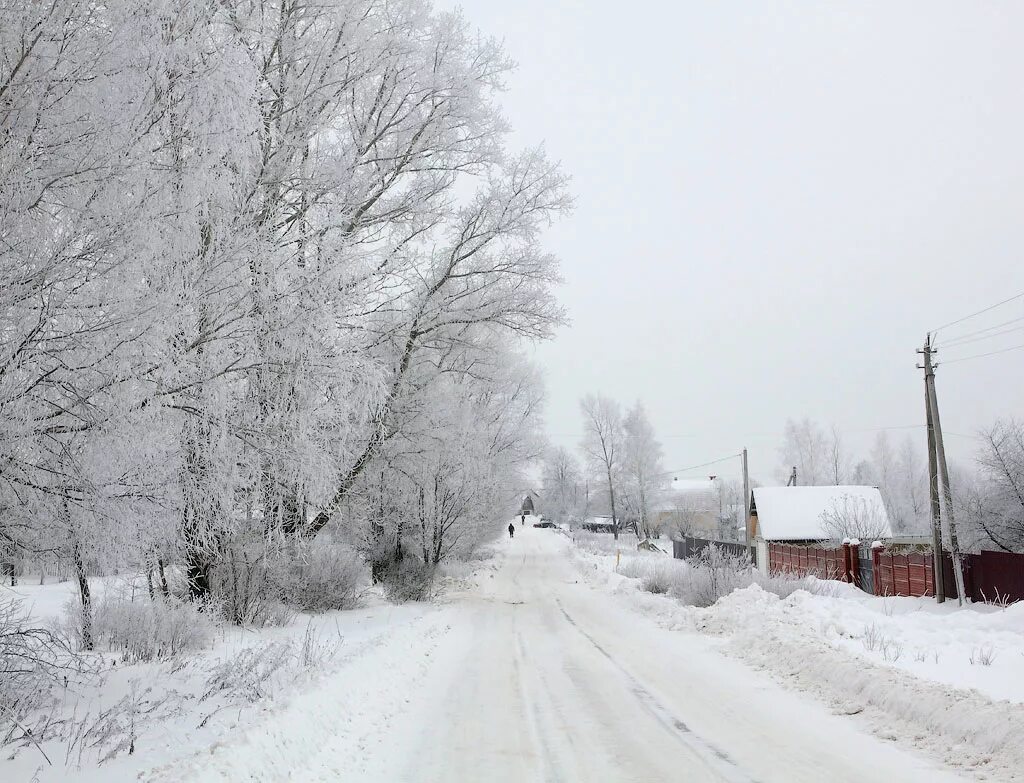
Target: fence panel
[
  {"x": 865, "y": 569},
  {"x": 988, "y": 576},
  {"x": 688, "y": 547}
]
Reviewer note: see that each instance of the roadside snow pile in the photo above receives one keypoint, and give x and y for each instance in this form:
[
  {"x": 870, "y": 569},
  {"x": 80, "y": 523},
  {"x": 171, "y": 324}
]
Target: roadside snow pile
[
  {"x": 805, "y": 639},
  {"x": 942, "y": 678},
  {"x": 978, "y": 647}
]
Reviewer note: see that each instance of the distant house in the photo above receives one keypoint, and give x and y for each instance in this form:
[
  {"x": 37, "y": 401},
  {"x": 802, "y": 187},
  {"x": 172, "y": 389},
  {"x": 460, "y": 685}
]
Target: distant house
[
  {"x": 599, "y": 524},
  {"x": 690, "y": 507},
  {"x": 528, "y": 506},
  {"x": 806, "y": 515}
]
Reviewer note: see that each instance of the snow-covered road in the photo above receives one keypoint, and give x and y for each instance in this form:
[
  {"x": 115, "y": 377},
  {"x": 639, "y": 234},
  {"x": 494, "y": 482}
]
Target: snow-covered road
[{"x": 533, "y": 675}]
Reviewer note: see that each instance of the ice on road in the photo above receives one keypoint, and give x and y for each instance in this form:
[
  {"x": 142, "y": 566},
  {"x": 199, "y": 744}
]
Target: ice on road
[{"x": 532, "y": 675}]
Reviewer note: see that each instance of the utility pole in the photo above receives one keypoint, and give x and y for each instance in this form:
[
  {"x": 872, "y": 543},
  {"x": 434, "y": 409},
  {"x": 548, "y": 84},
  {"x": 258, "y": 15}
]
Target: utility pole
[
  {"x": 792, "y": 478},
  {"x": 746, "y": 508},
  {"x": 933, "y": 495},
  {"x": 943, "y": 469}
]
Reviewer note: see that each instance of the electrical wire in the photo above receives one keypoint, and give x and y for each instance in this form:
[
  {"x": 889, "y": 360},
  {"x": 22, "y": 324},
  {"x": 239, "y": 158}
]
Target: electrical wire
[
  {"x": 980, "y": 355},
  {"x": 979, "y": 312},
  {"x": 702, "y": 465},
  {"x": 958, "y": 338},
  {"x": 958, "y": 343}
]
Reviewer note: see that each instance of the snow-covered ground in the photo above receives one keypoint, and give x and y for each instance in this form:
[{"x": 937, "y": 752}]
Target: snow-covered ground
[
  {"x": 200, "y": 699},
  {"x": 938, "y": 677},
  {"x": 540, "y": 664}
]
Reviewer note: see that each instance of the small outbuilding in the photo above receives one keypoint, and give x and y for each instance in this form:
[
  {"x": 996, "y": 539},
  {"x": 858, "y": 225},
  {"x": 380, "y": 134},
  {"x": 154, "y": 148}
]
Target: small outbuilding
[
  {"x": 808, "y": 515},
  {"x": 599, "y": 524},
  {"x": 528, "y": 506}
]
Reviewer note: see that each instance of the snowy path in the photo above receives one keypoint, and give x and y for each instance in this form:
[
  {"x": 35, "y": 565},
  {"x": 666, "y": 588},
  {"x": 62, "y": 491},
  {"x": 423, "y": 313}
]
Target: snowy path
[{"x": 536, "y": 677}]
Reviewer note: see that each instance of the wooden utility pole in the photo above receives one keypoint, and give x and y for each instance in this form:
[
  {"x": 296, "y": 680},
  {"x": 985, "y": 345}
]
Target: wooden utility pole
[
  {"x": 943, "y": 469},
  {"x": 746, "y": 508},
  {"x": 933, "y": 495},
  {"x": 792, "y": 478}
]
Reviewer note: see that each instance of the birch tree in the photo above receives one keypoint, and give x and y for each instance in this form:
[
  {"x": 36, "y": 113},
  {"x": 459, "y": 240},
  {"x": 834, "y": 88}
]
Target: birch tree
[
  {"x": 642, "y": 461},
  {"x": 603, "y": 443}
]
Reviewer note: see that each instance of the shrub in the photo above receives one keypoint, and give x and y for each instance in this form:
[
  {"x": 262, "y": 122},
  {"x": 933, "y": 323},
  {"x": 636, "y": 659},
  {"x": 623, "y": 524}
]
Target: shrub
[
  {"x": 259, "y": 585},
  {"x": 327, "y": 576},
  {"x": 715, "y": 573},
  {"x": 143, "y": 629},
  {"x": 251, "y": 673},
  {"x": 657, "y": 574},
  {"x": 604, "y": 543},
  {"x": 34, "y": 663},
  {"x": 408, "y": 580},
  {"x": 247, "y": 584}
]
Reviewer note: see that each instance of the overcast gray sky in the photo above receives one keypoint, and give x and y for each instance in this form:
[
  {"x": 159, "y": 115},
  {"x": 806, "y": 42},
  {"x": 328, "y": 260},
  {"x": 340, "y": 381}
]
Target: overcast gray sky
[{"x": 775, "y": 201}]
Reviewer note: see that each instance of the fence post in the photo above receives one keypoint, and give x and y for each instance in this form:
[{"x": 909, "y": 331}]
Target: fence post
[
  {"x": 854, "y": 548},
  {"x": 876, "y": 566},
  {"x": 847, "y": 568}
]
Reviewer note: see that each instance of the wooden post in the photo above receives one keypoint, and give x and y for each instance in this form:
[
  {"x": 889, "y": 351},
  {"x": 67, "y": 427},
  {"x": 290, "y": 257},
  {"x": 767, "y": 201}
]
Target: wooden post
[
  {"x": 876, "y": 567},
  {"x": 746, "y": 509},
  {"x": 933, "y": 494},
  {"x": 943, "y": 471}
]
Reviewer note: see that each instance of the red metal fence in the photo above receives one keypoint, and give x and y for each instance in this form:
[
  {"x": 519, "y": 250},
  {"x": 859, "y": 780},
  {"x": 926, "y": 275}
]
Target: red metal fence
[
  {"x": 840, "y": 563},
  {"x": 822, "y": 562},
  {"x": 910, "y": 573},
  {"x": 988, "y": 576}
]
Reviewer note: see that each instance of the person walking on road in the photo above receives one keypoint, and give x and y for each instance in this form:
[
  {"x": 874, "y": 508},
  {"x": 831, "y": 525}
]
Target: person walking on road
[{"x": 511, "y": 529}]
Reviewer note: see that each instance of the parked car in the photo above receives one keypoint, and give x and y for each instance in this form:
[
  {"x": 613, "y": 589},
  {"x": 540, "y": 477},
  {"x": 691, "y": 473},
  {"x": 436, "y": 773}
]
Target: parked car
[{"x": 545, "y": 523}]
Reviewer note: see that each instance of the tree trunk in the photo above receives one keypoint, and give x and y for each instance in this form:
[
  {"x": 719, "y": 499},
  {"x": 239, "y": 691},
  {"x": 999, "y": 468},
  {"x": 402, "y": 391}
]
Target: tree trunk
[
  {"x": 197, "y": 573},
  {"x": 611, "y": 495},
  {"x": 83, "y": 580},
  {"x": 163, "y": 577}
]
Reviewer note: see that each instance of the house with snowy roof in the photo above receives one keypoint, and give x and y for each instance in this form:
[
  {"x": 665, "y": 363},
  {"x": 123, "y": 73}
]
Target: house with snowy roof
[{"x": 807, "y": 515}]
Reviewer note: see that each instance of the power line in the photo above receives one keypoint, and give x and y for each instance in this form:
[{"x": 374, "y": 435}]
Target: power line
[
  {"x": 702, "y": 465},
  {"x": 962, "y": 341},
  {"x": 979, "y": 312},
  {"x": 980, "y": 355},
  {"x": 957, "y": 339}
]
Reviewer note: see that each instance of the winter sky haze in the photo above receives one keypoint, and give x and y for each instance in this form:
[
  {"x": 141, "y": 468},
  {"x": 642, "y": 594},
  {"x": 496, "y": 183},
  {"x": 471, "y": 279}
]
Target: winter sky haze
[{"x": 774, "y": 203}]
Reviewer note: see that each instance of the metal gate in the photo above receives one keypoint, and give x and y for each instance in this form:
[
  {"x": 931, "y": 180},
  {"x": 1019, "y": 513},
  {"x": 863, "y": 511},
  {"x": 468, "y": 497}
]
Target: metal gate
[{"x": 865, "y": 569}]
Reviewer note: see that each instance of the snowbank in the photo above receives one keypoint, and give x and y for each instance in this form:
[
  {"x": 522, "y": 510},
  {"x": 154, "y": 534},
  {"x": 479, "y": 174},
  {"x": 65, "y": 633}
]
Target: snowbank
[{"x": 942, "y": 678}]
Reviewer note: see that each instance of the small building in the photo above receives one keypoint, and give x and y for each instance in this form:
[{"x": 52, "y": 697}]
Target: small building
[
  {"x": 528, "y": 506},
  {"x": 808, "y": 515},
  {"x": 599, "y": 524}
]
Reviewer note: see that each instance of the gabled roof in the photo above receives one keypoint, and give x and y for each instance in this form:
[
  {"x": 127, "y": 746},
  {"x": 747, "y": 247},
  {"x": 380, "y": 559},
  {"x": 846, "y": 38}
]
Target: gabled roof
[{"x": 795, "y": 513}]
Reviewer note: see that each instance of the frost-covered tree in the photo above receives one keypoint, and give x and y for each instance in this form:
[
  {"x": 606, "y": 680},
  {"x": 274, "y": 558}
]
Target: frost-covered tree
[
  {"x": 604, "y": 444},
  {"x": 562, "y": 479},
  {"x": 851, "y": 516},
  {"x": 805, "y": 446},
  {"x": 993, "y": 503},
  {"x": 441, "y": 480},
  {"x": 245, "y": 248},
  {"x": 644, "y": 472}
]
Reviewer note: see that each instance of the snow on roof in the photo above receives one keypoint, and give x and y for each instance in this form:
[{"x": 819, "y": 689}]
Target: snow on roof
[{"x": 795, "y": 513}]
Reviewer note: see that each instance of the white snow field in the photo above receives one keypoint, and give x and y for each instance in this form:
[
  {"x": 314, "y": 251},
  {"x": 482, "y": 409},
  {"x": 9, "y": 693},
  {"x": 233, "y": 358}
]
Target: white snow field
[{"x": 530, "y": 673}]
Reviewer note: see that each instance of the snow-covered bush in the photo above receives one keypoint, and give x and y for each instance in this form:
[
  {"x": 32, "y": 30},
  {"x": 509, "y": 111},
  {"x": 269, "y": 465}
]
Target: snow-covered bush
[
  {"x": 704, "y": 579},
  {"x": 657, "y": 574},
  {"x": 259, "y": 585},
  {"x": 712, "y": 575},
  {"x": 249, "y": 584},
  {"x": 326, "y": 576},
  {"x": 142, "y": 629},
  {"x": 604, "y": 543},
  {"x": 34, "y": 662},
  {"x": 409, "y": 580},
  {"x": 147, "y": 629},
  {"x": 249, "y": 675}
]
